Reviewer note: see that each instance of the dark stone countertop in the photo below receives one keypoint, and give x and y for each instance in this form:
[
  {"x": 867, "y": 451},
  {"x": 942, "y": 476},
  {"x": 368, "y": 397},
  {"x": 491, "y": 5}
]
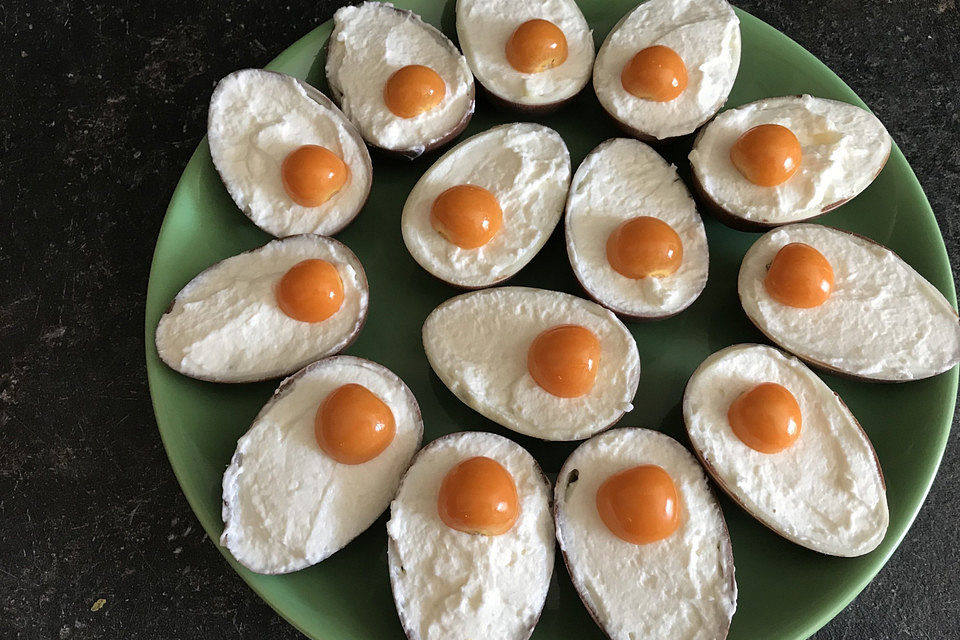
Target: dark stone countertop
[{"x": 102, "y": 105}]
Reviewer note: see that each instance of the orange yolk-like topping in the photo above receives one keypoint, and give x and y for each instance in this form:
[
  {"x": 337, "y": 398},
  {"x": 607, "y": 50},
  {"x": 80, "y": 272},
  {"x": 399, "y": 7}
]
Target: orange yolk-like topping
[
  {"x": 413, "y": 89},
  {"x": 478, "y": 496},
  {"x": 310, "y": 291},
  {"x": 767, "y": 155},
  {"x": 644, "y": 246},
  {"x": 766, "y": 418},
  {"x": 353, "y": 425},
  {"x": 564, "y": 360},
  {"x": 312, "y": 174},
  {"x": 639, "y": 505},
  {"x": 799, "y": 276},
  {"x": 466, "y": 215},
  {"x": 535, "y": 46},
  {"x": 656, "y": 73}
]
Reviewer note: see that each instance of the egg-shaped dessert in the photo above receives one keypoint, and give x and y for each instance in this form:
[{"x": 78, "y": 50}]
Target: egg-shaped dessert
[
  {"x": 668, "y": 66},
  {"x": 402, "y": 82},
  {"x": 634, "y": 238},
  {"x": 470, "y": 540},
  {"x": 287, "y": 155},
  {"x": 844, "y": 303},
  {"x": 320, "y": 463},
  {"x": 529, "y": 55},
  {"x": 644, "y": 538},
  {"x": 782, "y": 160},
  {"x": 485, "y": 208},
  {"x": 542, "y": 363},
  {"x": 787, "y": 449},
  {"x": 267, "y": 312}
]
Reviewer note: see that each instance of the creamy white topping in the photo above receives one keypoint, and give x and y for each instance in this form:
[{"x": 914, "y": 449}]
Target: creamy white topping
[
  {"x": 843, "y": 149},
  {"x": 526, "y": 167},
  {"x": 225, "y": 325},
  {"x": 882, "y": 320},
  {"x": 256, "y": 119},
  {"x": 371, "y": 41},
  {"x": 705, "y": 34},
  {"x": 451, "y": 584},
  {"x": 286, "y": 503},
  {"x": 622, "y": 179},
  {"x": 825, "y": 491},
  {"x": 477, "y": 344},
  {"x": 678, "y": 587},
  {"x": 485, "y": 26}
]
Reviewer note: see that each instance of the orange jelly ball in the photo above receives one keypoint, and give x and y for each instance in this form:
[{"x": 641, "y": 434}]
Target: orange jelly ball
[
  {"x": 312, "y": 174},
  {"x": 353, "y": 425},
  {"x": 799, "y": 276},
  {"x": 535, "y": 46},
  {"x": 644, "y": 246},
  {"x": 766, "y": 418},
  {"x": 478, "y": 496},
  {"x": 413, "y": 89},
  {"x": 639, "y": 505},
  {"x": 310, "y": 291},
  {"x": 466, "y": 215},
  {"x": 767, "y": 155},
  {"x": 656, "y": 73},
  {"x": 564, "y": 360}
]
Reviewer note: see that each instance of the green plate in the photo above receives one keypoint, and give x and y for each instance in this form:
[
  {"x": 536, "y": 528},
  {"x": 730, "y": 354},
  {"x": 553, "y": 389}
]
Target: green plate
[{"x": 785, "y": 591}]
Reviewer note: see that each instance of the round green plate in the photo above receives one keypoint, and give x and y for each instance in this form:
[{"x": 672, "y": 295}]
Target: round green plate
[{"x": 785, "y": 591}]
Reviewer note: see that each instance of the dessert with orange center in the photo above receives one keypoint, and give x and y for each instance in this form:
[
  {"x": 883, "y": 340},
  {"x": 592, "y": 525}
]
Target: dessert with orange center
[
  {"x": 353, "y": 425},
  {"x": 466, "y": 215},
  {"x": 564, "y": 360}
]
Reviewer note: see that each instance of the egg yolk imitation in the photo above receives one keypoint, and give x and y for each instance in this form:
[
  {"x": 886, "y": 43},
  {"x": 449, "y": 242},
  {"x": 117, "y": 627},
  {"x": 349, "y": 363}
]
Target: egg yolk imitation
[
  {"x": 656, "y": 73},
  {"x": 564, "y": 360},
  {"x": 466, "y": 215},
  {"x": 644, "y": 246},
  {"x": 312, "y": 174},
  {"x": 478, "y": 495},
  {"x": 766, "y": 418},
  {"x": 767, "y": 155},
  {"x": 311, "y": 291},
  {"x": 799, "y": 276},
  {"x": 535, "y": 46},
  {"x": 353, "y": 425},
  {"x": 413, "y": 89},
  {"x": 639, "y": 505}
]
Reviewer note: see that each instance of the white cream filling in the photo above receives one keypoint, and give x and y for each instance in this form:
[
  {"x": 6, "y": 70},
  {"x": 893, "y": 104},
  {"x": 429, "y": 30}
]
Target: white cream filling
[
  {"x": 825, "y": 491},
  {"x": 371, "y": 41},
  {"x": 705, "y": 34},
  {"x": 620, "y": 180},
  {"x": 451, "y": 584},
  {"x": 881, "y": 321},
  {"x": 256, "y": 119},
  {"x": 526, "y": 167},
  {"x": 225, "y": 324},
  {"x": 843, "y": 149},
  {"x": 477, "y": 344}
]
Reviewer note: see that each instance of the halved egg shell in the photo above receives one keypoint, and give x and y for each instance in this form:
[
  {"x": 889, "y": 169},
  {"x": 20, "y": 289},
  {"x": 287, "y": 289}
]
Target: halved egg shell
[
  {"x": 228, "y": 324},
  {"x": 668, "y": 570},
  {"x": 830, "y": 152},
  {"x": 451, "y": 583},
  {"x": 879, "y": 320},
  {"x": 824, "y": 489},
  {"x": 483, "y": 344},
  {"x": 406, "y": 87},
  {"x": 287, "y": 155},
  {"x": 289, "y": 504},
  {"x": 668, "y": 66},
  {"x": 528, "y": 55},
  {"x": 524, "y": 169},
  {"x": 623, "y": 184}
]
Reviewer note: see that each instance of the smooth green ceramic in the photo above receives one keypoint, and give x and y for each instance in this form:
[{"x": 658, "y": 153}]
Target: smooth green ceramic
[{"x": 785, "y": 591}]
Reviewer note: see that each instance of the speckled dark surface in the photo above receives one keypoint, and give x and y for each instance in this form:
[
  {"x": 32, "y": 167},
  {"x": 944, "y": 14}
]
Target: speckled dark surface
[{"x": 102, "y": 106}]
